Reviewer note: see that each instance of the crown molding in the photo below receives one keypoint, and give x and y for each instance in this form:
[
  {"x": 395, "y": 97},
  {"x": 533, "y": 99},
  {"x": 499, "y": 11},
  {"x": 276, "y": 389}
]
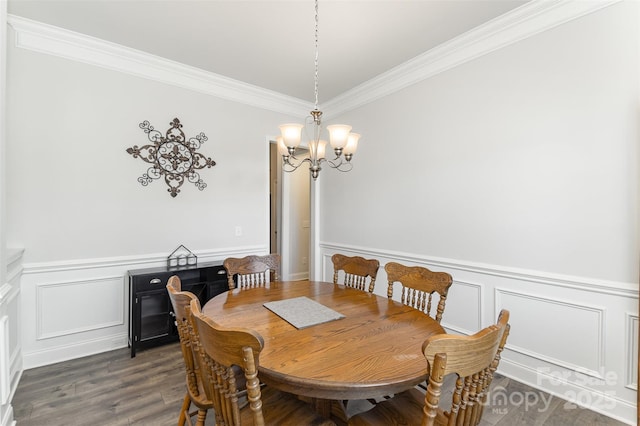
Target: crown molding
[
  {"x": 525, "y": 21},
  {"x": 48, "y": 39}
]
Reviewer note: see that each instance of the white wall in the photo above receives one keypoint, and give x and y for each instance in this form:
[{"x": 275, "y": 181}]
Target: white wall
[
  {"x": 76, "y": 207},
  {"x": 517, "y": 172},
  {"x": 74, "y": 192}
]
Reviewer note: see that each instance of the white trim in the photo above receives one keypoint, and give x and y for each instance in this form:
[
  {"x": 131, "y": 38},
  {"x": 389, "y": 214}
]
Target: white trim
[
  {"x": 14, "y": 254},
  {"x": 481, "y": 308},
  {"x": 150, "y": 260},
  {"x": 614, "y": 288},
  {"x": 14, "y": 266},
  {"x": 600, "y": 402},
  {"x": 74, "y": 350},
  {"x": 4, "y": 290},
  {"x": 48, "y": 39},
  {"x": 631, "y": 381},
  {"x": 285, "y": 228},
  {"x": 299, "y": 276},
  {"x": 599, "y": 311},
  {"x": 5, "y": 374},
  {"x": 4, "y": 421},
  {"x": 315, "y": 273},
  {"x": 267, "y": 179},
  {"x": 525, "y": 21},
  {"x": 40, "y": 288}
]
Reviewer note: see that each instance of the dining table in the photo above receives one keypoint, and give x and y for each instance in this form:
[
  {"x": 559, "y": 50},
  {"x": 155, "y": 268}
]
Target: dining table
[{"x": 343, "y": 344}]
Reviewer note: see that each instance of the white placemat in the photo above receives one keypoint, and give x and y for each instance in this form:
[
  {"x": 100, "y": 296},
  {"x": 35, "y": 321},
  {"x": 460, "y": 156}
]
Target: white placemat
[{"x": 302, "y": 312}]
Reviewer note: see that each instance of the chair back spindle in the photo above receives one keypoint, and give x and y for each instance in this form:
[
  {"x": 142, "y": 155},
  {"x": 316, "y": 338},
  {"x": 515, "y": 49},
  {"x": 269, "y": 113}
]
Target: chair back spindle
[
  {"x": 357, "y": 271},
  {"x": 252, "y": 271},
  {"x": 419, "y": 285}
]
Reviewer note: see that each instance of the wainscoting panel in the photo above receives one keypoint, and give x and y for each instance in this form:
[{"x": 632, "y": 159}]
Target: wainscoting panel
[
  {"x": 573, "y": 337},
  {"x": 105, "y": 308},
  {"x": 10, "y": 346},
  {"x": 552, "y": 339},
  {"x": 469, "y": 317},
  {"x": 70, "y": 309}
]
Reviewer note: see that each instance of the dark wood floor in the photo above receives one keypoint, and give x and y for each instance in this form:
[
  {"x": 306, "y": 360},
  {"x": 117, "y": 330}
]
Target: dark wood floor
[{"x": 113, "y": 389}]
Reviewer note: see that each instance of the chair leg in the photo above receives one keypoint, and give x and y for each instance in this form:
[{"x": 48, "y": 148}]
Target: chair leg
[
  {"x": 184, "y": 411},
  {"x": 202, "y": 415}
]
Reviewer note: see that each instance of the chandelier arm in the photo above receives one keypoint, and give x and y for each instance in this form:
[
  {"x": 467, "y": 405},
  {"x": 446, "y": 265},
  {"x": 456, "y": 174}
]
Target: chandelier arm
[
  {"x": 336, "y": 162},
  {"x": 343, "y": 166},
  {"x": 286, "y": 163}
]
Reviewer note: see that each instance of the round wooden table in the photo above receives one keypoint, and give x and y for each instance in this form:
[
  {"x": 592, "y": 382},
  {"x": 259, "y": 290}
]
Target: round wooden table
[{"x": 375, "y": 350}]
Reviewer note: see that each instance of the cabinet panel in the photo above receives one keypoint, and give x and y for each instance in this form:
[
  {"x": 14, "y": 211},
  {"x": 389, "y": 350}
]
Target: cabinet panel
[
  {"x": 155, "y": 317},
  {"x": 151, "y": 318}
]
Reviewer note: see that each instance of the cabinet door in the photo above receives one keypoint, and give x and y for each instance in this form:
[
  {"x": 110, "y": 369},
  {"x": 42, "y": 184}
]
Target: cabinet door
[{"x": 155, "y": 316}]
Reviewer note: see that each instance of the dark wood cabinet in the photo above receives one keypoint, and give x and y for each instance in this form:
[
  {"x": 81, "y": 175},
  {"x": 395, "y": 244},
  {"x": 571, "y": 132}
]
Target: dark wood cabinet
[{"x": 151, "y": 317}]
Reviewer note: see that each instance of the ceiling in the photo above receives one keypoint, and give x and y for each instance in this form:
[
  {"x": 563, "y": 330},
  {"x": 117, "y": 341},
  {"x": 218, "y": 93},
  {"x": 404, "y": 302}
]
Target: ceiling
[{"x": 270, "y": 44}]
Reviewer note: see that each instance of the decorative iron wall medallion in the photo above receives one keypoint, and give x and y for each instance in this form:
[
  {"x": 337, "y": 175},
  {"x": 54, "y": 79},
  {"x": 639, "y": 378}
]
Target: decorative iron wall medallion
[{"x": 172, "y": 156}]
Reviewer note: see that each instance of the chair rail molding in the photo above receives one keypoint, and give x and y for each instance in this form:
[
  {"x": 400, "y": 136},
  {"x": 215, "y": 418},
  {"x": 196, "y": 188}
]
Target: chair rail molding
[
  {"x": 616, "y": 288},
  {"x": 137, "y": 261}
]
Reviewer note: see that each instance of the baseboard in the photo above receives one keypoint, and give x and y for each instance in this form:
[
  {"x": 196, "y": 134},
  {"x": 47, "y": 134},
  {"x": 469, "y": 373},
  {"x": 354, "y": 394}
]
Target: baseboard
[
  {"x": 7, "y": 418},
  {"x": 73, "y": 351},
  {"x": 576, "y": 396},
  {"x": 299, "y": 276}
]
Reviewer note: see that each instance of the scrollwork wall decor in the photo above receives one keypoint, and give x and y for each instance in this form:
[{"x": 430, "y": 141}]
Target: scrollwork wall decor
[{"x": 173, "y": 156}]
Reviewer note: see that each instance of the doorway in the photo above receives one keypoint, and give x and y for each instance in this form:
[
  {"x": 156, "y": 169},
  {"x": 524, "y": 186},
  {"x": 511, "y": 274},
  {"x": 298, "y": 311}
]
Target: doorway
[{"x": 290, "y": 221}]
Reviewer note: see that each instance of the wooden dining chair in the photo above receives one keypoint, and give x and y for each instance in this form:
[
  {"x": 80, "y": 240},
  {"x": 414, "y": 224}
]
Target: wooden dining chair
[
  {"x": 418, "y": 286},
  {"x": 472, "y": 359},
  {"x": 195, "y": 394},
  {"x": 220, "y": 349},
  {"x": 252, "y": 271},
  {"x": 356, "y": 271}
]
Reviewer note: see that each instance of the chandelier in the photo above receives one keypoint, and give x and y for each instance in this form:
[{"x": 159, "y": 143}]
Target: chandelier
[{"x": 341, "y": 139}]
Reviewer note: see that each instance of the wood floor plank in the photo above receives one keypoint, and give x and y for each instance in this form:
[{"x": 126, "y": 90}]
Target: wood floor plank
[{"x": 113, "y": 389}]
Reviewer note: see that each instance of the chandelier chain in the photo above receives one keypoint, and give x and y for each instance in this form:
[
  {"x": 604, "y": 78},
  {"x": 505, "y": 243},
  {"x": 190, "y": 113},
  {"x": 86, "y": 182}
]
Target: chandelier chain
[
  {"x": 343, "y": 142},
  {"x": 316, "y": 58}
]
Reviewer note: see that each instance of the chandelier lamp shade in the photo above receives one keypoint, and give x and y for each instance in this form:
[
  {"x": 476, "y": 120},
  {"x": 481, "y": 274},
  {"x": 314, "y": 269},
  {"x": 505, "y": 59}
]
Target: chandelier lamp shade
[{"x": 342, "y": 140}]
